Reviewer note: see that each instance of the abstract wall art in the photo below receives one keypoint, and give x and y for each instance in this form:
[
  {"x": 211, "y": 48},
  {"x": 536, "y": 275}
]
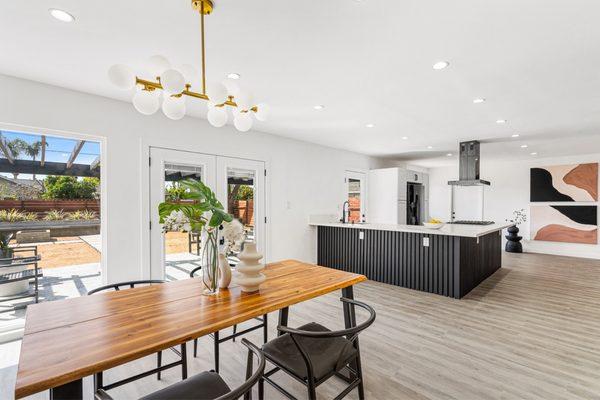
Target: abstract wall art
[
  {"x": 577, "y": 182},
  {"x": 569, "y": 224}
]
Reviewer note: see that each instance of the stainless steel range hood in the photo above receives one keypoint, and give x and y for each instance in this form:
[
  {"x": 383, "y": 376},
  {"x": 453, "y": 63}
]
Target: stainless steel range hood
[{"x": 468, "y": 174}]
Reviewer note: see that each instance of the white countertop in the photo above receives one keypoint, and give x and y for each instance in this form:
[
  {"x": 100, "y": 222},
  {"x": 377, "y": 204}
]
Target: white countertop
[{"x": 448, "y": 229}]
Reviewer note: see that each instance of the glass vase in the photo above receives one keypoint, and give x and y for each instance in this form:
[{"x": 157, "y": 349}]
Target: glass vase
[{"x": 210, "y": 262}]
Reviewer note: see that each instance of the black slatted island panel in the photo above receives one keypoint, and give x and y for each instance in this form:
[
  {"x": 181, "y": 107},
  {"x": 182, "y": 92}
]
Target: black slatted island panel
[{"x": 450, "y": 266}]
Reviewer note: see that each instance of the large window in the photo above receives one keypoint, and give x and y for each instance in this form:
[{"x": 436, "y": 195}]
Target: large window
[{"x": 49, "y": 208}]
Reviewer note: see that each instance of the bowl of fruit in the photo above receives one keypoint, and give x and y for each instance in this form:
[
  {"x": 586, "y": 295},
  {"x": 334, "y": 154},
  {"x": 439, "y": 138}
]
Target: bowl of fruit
[{"x": 433, "y": 224}]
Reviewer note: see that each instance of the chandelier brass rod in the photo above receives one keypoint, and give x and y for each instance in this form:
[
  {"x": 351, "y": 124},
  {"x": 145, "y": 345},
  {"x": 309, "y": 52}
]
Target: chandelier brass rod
[
  {"x": 203, "y": 50},
  {"x": 151, "y": 86}
]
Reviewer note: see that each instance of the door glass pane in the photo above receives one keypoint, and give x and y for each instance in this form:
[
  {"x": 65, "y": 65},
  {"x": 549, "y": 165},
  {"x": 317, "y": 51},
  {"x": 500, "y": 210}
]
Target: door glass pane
[
  {"x": 241, "y": 187},
  {"x": 354, "y": 200},
  {"x": 182, "y": 250}
]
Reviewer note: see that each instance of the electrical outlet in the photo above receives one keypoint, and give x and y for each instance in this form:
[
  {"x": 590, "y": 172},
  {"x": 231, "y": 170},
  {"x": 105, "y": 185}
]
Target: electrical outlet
[
  {"x": 361, "y": 235},
  {"x": 425, "y": 242}
]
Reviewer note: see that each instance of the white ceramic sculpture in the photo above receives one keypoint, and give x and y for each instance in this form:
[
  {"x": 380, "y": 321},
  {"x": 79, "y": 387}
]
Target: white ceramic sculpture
[
  {"x": 224, "y": 272},
  {"x": 248, "y": 272}
]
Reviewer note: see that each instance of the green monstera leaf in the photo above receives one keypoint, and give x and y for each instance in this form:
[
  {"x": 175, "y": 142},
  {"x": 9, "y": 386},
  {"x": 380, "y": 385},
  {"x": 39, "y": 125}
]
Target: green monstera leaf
[{"x": 205, "y": 202}]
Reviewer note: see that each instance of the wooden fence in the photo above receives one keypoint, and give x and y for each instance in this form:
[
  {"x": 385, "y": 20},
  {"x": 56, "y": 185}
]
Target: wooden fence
[
  {"x": 244, "y": 211},
  {"x": 41, "y": 207}
]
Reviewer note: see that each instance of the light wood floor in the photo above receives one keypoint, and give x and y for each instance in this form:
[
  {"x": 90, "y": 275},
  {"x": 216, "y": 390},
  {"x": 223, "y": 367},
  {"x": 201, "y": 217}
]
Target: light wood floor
[{"x": 531, "y": 331}]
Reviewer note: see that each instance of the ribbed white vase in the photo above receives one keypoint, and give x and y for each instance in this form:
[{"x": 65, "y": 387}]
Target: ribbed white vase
[{"x": 248, "y": 272}]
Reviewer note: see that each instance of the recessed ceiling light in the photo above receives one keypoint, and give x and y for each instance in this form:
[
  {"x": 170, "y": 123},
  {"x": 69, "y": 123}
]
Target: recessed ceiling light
[
  {"x": 534, "y": 153},
  {"x": 441, "y": 65},
  {"x": 478, "y": 100},
  {"x": 61, "y": 15},
  {"x": 501, "y": 121},
  {"x": 370, "y": 125},
  {"x": 514, "y": 135},
  {"x": 430, "y": 147},
  {"x": 233, "y": 75},
  {"x": 404, "y": 137},
  {"x": 524, "y": 146},
  {"x": 319, "y": 107},
  {"x": 449, "y": 155}
]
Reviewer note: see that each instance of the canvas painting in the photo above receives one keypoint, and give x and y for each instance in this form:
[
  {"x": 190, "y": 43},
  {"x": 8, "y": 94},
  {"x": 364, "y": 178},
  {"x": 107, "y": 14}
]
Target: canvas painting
[
  {"x": 577, "y": 182},
  {"x": 569, "y": 224}
]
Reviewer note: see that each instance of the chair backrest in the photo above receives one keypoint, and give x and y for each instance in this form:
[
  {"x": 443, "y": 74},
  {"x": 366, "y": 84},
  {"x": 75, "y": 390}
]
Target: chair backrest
[
  {"x": 125, "y": 285},
  {"x": 193, "y": 272},
  {"x": 351, "y": 334},
  {"x": 251, "y": 380},
  {"x": 243, "y": 389}
]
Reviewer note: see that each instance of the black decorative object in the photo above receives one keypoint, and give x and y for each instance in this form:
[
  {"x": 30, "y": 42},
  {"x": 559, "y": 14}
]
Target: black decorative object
[{"x": 513, "y": 244}]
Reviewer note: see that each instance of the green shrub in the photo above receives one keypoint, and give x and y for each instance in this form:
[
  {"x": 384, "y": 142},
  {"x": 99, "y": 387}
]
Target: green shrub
[
  {"x": 245, "y": 193},
  {"x": 11, "y": 216},
  {"x": 69, "y": 187},
  {"x": 84, "y": 215},
  {"x": 55, "y": 215}
]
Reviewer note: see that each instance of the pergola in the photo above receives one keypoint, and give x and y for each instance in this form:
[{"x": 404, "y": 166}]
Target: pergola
[{"x": 42, "y": 167}]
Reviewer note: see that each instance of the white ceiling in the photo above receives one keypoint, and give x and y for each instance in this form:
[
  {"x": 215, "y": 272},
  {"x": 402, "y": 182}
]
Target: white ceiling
[{"x": 535, "y": 61}]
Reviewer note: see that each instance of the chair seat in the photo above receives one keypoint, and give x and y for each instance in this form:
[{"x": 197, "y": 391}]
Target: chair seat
[
  {"x": 204, "y": 386},
  {"x": 326, "y": 354}
]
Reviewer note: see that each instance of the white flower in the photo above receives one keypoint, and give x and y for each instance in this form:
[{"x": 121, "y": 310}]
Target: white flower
[
  {"x": 233, "y": 236},
  {"x": 176, "y": 221}
]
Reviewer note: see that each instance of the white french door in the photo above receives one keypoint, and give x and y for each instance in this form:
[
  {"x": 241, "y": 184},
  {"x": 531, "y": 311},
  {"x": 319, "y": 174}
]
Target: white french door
[
  {"x": 241, "y": 189},
  {"x": 239, "y": 185}
]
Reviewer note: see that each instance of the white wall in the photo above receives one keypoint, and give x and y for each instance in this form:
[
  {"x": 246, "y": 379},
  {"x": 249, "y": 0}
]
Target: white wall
[
  {"x": 509, "y": 191},
  {"x": 308, "y": 176}
]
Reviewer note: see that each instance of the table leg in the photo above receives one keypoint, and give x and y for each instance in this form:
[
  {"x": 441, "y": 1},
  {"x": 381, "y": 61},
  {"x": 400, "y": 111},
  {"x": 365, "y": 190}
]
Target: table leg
[
  {"x": 68, "y": 391},
  {"x": 283, "y": 317}
]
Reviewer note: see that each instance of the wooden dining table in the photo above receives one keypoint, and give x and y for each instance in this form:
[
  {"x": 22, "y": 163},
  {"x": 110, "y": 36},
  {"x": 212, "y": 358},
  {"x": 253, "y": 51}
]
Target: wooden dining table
[{"x": 67, "y": 340}]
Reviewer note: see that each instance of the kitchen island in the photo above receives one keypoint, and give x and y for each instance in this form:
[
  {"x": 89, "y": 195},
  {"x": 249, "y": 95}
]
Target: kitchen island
[{"x": 449, "y": 261}]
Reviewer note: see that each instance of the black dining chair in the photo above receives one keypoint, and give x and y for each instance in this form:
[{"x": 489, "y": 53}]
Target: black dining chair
[
  {"x": 217, "y": 340},
  {"x": 182, "y": 354},
  {"x": 312, "y": 354},
  {"x": 209, "y": 385}
]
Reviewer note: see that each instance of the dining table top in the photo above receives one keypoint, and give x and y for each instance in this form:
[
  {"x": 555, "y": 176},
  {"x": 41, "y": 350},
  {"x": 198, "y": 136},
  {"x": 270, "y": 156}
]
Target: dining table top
[{"x": 70, "y": 339}]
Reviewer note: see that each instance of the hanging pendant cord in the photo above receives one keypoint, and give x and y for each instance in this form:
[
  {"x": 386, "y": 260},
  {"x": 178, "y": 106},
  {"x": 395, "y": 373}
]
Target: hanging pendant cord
[{"x": 203, "y": 51}]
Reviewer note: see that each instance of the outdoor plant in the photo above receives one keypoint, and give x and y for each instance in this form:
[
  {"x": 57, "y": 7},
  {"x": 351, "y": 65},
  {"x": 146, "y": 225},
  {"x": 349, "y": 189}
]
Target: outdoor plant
[
  {"x": 82, "y": 215},
  {"x": 29, "y": 216},
  {"x": 5, "y": 250},
  {"x": 69, "y": 187},
  {"x": 204, "y": 215},
  {"x": 55, "y": 215},
  {"x": 13, "y": 215},
  {"x": 174, "y": 193}
]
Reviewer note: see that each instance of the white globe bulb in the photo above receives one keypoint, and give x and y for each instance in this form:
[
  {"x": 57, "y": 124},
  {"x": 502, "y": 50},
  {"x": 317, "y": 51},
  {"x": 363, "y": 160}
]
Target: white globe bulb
[
  {"x": 263, "y": 111},
  {"x": 217, "y": 117},
  {"x": 121, "y": 76},
  {"x": 189, "y": 73},
  {"x": 157, "y": 65},
  {"x": 174, "y": 107},
  {"x": 233, "y": 89},
  {"x": 172, "y": 81},
  {"x": 217, "y": 93},
  {"x": 243, "y": 100},
  {"x": 242, "y": 122},
  {"x": 146, "y": 102}
]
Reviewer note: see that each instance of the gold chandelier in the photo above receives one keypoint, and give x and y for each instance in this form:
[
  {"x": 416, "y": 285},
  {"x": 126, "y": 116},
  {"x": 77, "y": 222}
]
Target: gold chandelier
[{"x": 175, "y": 86}]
